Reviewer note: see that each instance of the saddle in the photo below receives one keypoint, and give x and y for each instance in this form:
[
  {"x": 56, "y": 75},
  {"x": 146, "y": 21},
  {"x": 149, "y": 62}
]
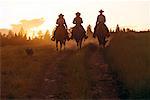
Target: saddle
[
  {"x": 101, "y": 28},
  {"x": 78, "y": 31},
  {"x": 60, "y": 33}
]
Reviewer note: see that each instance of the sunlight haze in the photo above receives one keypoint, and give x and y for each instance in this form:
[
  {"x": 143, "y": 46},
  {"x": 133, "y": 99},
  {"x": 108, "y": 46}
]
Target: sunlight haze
[{"x": 127, "y": 13}]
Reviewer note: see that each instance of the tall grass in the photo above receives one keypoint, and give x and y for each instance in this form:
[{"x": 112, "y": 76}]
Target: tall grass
[
  {"x": 20, "y": 73},
  {"x": 77, "y": 74},
  {"x": 129, "y": 56}
]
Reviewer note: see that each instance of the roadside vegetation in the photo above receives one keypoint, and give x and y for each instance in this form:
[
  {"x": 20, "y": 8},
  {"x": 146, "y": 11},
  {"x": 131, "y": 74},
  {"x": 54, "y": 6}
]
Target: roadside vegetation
[{"x": 129, "y": 57}]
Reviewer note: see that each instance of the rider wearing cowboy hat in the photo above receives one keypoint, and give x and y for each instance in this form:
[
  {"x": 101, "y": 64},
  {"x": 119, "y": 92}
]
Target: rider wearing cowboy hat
[
  {"x": 61, "y": 23},
  {"x": 78, "y": 21},
  {"x": 101, "y": 18},
  {"x": 101, "y": 29}
]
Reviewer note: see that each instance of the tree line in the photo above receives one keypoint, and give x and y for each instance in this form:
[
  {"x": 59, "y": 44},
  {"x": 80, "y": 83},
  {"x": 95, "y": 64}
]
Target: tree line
[{"x": 21, "y": 38}]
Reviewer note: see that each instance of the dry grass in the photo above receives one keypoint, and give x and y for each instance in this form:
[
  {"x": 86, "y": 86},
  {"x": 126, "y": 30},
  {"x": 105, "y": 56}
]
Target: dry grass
[
  {"x": 78, "y": 76},
  {"x": 129, "y": 57},
  {"x": 19, "y": 72}
]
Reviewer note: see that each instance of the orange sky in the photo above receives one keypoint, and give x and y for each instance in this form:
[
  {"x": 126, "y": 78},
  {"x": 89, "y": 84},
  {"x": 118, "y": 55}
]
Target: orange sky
[{"x": 127, "y": 13}]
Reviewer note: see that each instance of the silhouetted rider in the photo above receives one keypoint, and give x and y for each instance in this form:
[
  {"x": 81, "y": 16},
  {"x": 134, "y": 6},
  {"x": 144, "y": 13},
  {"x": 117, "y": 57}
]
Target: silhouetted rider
[
  {"x": 61, "y": 23},
  {"x": 101, "y": 18},
  {"x": 78, "y": 21},
  {"x": 100, "y": 21}
]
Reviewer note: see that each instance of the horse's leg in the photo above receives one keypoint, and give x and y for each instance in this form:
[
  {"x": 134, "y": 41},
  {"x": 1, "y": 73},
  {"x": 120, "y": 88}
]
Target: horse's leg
[
  {"x": 99, "y": 41},
  {"x": 61, "y": 45},
  {"x": 77, "y": 43},
  {"x": 57, "y": 45},
  {"x": 64, "y": 43},
  {"x": 80, "y": 43},
  {"x": 103, "y": 41}
]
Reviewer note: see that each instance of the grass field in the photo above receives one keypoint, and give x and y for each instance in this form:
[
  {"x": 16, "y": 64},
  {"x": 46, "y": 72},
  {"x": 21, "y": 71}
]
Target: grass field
[
  {"x": 20, "y": 73},
  {"x": 129, "y": 57}
]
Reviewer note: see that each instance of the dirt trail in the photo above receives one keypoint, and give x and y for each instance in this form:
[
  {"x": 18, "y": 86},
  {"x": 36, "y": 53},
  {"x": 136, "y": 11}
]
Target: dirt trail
[
  {"x": 52, "y": 82},
  {"x": 102, "y": 83},
  {"x": 80, "y": 74}
]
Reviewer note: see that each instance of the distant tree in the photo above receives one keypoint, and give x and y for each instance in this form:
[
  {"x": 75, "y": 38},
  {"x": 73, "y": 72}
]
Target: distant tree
[
  {"x": 4, "y": 35},
  {"x": 117, "y": 28},
  {"x": 47, "y": 36},
  {"x": 0, "y": 35},
  {"x": 111, "y": 30},
  {"x": 21, "y": 32},
  {"x": 40, "y": 35},
  {"x": 124, "y": 30},
  {"x": 127, "y": 30},
  {"x": 10, "y": 34},
  {"x": 33, "y": 35},
  {"x": 132, "y": 30},
  {"x": 89, "y": 31},
  {"x": 25, "y": 37},
  {"x": 16, "y": 35},
  {"x": 121, "y": 30},
  {"x": 29, "y": 38}
]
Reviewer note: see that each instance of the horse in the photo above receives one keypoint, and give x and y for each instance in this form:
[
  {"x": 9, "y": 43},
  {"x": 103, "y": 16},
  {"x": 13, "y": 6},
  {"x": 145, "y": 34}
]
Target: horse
[
  {"x": 101, "y": 32},
  {"x": 78, "y": 33},
  {"x": 61, "y": 35}
]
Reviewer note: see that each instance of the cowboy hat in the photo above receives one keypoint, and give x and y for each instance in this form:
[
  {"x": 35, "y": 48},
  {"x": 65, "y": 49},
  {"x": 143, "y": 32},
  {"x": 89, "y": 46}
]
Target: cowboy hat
[
  {"x": 61, "y": 15},
  {"x": 101, "y": 11},
  {"x": 78, "y": 13}
]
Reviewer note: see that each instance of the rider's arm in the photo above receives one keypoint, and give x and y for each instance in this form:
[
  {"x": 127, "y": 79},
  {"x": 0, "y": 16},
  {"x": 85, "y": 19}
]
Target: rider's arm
[
  {"x": 74, "y": 21},
  {"x": 81, "y": 20},
  {"x": 97, "y": 20},
  {"x": 57, "y": 21},
  {"x": 65, "y": 23},
  {"x": 104, "y": 19}
]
